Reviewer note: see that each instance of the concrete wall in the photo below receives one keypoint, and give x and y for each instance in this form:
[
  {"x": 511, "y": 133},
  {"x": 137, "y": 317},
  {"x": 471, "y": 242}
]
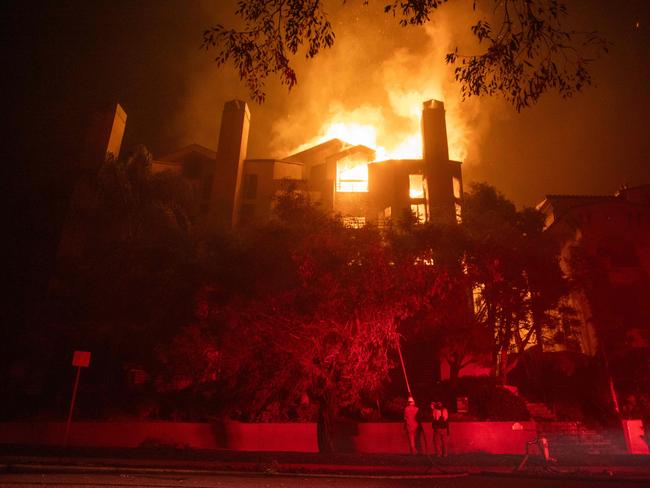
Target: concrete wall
[
  {"x": 465, "y": 437},
  {"x": 635, "y": 437},
  {"x": 489, "y": 437},
  {"x": 299, "y": 437}
]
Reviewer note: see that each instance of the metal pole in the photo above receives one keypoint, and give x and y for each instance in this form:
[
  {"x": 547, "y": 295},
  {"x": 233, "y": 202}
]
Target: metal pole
[
  {"x": 74, "y": 398},
  {"x": 401, "y": 359}
]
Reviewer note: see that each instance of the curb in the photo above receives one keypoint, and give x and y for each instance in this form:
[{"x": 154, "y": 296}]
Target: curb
[
  {"x": 68, "y": 469},
  {"x": 281, "y": 471}
]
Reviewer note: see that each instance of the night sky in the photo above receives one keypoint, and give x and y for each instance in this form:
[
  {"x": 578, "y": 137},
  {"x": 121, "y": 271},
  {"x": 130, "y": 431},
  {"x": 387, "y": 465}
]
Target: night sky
[{"x": 63, "y": 58}]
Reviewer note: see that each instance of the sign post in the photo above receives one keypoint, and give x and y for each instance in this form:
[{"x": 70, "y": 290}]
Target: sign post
[{"x": 80, "y": 359}]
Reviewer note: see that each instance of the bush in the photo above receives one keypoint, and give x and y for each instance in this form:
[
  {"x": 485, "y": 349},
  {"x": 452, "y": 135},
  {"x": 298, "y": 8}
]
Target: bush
[{"x": 489, "y": 401}]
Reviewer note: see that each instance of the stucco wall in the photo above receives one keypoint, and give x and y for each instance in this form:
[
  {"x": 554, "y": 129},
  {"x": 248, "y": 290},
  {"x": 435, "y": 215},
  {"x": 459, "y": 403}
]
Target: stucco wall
[
  {"x": 490, "y": 437},
  {"x": 635, "y": 437},
  {"x": 465, "y": 437}
]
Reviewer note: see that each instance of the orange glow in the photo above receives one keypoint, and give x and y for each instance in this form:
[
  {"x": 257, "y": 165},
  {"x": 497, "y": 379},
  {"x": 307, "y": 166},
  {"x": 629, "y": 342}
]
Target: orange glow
[
  {"x": 352, "y": 133},
  {"x": 386, "y": 110},
  {"x": 370, "y": 126},
  {"x": 416, "y": 186},
  {"x": 351, "y": 175},
  {"x": 391, "y": 124}
]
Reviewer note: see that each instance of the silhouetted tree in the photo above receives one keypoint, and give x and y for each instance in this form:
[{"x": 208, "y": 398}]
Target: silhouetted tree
[
  {"x": 515, "y": 270},
  {"x": 133, "y": 276},
  {"x": 525, "y": 48}
]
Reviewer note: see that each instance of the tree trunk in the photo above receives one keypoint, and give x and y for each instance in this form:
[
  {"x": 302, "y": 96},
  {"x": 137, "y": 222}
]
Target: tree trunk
[
  {"x": 325, "y": 426},
  {"x": 503, "y": 370},
  {"x": 537, "y": 325},
  {"x": 454, "y": 372}
]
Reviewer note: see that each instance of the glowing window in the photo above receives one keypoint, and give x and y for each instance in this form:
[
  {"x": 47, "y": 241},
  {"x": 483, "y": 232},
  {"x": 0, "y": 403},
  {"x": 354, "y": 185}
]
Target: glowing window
[
  {"x": 351, "y": 176},
  {"x": 416, "y": 186},
  {"x": 419, "y": 211},
  {"x": 456, "y": 182},
  {"x": 354, "y": 222},
  {"x": 387, "y": 212},
  {"x": 459, "y": 211},
  {"x": 477, "y": 295}
]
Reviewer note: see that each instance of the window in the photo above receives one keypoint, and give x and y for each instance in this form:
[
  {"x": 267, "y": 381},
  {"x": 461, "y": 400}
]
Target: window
[
  {"x": 419, "y": 211},
  {"x": 456, "y": 183},
  {"x": 416, "y": 186},
  {"x": 459, "y": 211},
  {"x": 387, "y": 212},
  {"x": 351, "y": 176},
  {"x": 354, "y": 222},
  {"x": 250, "y": 187},
  {"x": 477, "y": 298}
]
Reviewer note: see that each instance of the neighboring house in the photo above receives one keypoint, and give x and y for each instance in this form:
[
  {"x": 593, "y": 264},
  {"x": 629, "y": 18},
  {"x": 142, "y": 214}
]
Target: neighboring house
[{"x": 605, "y": 246}]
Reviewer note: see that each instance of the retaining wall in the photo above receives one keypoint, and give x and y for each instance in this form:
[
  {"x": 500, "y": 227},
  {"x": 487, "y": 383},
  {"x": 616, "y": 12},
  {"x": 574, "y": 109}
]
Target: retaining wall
[
  {"x": 635, "y": 437},
  {"x": 489, "y": 437}
]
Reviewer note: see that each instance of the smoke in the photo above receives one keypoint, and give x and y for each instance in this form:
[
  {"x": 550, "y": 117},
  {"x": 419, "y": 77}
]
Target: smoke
[{"x": 376, "y": 77}]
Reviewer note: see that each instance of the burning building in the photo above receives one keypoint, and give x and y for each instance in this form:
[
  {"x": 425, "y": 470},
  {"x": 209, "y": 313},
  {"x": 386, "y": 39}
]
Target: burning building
[{"x": 339, "y": 176}]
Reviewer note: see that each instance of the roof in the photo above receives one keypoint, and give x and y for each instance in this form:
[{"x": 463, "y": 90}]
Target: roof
[
  {"x": 319, "y": 153},
  {"x": 555, "y": 207},
  {"x": 181, "y": 153}
]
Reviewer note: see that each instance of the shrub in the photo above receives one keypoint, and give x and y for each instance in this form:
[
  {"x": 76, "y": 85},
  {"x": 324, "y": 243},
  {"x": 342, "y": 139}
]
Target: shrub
[{"x": 489, "y": 401}]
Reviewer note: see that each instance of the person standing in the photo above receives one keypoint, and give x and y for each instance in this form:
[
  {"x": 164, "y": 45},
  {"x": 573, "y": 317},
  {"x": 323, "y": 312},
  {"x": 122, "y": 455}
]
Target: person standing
[
  {"x": 440, "y": 426},
  {"x": 411, "y": 423}
]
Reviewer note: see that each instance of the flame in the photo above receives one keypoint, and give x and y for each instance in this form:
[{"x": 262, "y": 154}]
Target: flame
[
  {"x": 368, "y": 125},
  {"x": 352, "y": 175},
  {"x": 352, "y": 133},
  {"x": 388, "y": 119},
  {"x": 357, "y": 130}
]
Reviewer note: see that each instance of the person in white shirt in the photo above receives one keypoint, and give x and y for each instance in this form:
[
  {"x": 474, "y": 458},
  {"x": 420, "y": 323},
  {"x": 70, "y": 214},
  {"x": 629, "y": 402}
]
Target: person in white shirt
[{"x": 411, "y": 423}]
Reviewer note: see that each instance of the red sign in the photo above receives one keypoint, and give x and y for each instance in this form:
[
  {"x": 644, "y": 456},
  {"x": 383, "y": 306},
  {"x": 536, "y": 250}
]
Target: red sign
[{"x": 81, "y": 359}]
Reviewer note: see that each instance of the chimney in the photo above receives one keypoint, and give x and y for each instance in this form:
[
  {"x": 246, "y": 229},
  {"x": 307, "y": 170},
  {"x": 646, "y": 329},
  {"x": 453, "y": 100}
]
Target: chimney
[
  {"x": 437, "y": 169},
  {"x": 104, "y": 133},
  {"x": 434, "y": 132},
  {"x": 104, "y": 136},
  {"x": 231, "y": 153},
  {"x": 117, "y": 132}
]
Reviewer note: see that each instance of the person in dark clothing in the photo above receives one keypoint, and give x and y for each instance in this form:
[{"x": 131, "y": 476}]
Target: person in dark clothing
[{"x": 440, "y": 426}]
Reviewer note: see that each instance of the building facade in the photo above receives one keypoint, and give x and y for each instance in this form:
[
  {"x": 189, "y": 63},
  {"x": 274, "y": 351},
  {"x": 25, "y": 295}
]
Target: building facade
[
  {"x": 605, "y": 248},
  {"x": 338, "y": 176}
]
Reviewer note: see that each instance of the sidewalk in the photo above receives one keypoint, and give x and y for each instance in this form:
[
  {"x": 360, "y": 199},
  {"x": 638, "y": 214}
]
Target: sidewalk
[{"x": 166, "y": 459}]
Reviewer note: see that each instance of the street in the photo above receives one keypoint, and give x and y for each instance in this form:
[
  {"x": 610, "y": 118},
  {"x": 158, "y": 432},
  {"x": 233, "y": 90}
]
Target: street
[{"x": 192, "y": 480}]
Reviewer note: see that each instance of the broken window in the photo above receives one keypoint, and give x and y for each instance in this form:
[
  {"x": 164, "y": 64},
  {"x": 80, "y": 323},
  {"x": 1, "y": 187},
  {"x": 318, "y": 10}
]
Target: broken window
[
  {"x": 456, "y": 183},
  {"x": 416, "y": 186},
  {"x": 458, "y": 210},
  {"x": 419, "y": 211},
  {"x": 351, "y": 175}
]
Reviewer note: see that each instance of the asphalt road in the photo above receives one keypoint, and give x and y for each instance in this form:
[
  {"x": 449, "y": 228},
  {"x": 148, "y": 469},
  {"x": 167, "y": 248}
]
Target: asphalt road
[{"x": 280, "y": 481}]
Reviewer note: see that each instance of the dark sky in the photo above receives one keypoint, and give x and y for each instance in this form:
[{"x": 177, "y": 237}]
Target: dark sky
[{"x": 68, "y": 56}]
